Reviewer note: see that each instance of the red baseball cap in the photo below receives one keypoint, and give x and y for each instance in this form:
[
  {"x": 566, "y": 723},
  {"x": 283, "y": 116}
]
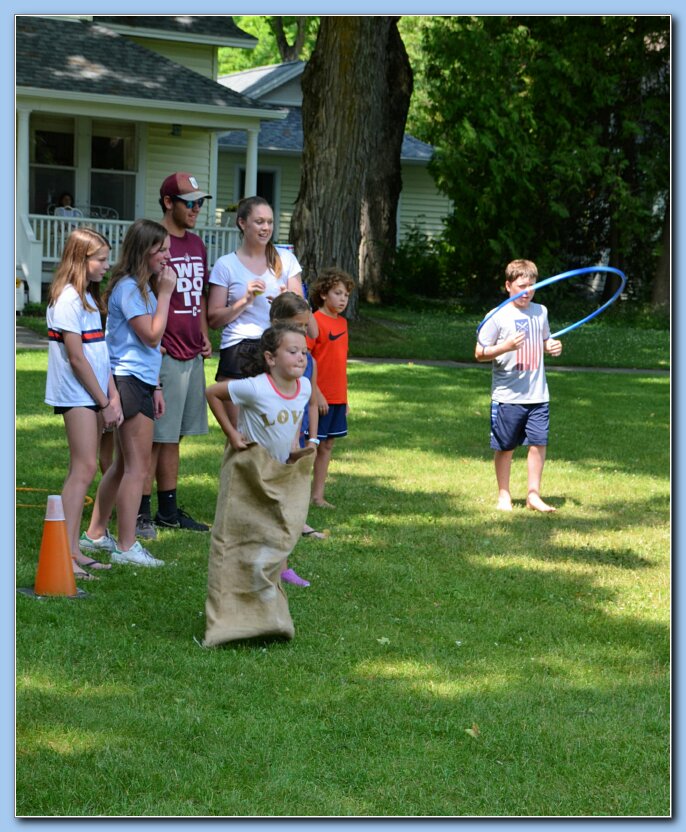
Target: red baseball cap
[{"x": 183, "y": 184}]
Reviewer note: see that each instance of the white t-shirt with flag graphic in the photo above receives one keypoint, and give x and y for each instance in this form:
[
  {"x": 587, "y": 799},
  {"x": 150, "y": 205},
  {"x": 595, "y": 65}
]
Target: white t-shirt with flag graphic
[{"x": 518, "y": 375}]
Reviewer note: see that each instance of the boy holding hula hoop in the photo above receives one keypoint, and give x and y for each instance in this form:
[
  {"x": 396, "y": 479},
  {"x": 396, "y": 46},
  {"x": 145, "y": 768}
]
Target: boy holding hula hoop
[{"x": 515, "y": 340}]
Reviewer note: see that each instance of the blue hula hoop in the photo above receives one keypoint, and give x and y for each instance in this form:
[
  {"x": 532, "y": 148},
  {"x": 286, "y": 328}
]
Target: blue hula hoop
[{"x": 556, "y": 279}]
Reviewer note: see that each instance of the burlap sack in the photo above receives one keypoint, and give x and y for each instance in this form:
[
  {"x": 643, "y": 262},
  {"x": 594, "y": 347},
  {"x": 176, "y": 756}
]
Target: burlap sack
[{"x": 261, "y": 509}]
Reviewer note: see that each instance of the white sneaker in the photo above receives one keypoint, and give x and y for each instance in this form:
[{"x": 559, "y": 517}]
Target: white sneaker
[
  {"x": 136, "y": 554},
  {"x": 106, "y": 543}
]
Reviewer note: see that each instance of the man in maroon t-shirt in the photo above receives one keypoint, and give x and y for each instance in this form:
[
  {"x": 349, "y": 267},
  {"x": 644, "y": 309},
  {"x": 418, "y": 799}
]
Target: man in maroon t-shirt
[{"x": 185, "y": 346}]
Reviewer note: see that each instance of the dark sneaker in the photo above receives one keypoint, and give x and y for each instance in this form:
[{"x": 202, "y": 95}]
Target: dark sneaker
[
  {"x": 181, "y": 521},
  {"x": 145, "y": 528}
]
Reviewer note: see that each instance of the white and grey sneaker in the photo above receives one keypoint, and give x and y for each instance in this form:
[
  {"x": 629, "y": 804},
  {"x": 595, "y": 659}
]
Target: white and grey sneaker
[
  {"x": 145, "y": 528},
  {"x": 106, "y": 543},
  {"x": 136, "y": 554}
]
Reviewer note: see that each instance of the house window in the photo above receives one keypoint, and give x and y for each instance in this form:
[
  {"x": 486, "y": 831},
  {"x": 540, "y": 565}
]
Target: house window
[
  {"x": 52, "y": 164},
  {"x": 113, "y": 167},
  {"x": 95, "y": 163}
]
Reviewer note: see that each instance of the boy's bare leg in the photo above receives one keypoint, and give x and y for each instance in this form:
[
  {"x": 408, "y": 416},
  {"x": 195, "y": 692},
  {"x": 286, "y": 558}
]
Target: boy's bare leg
[
  {"x": 320, "y": 471},
  {"x": 503, "y": 464},
  {"x": 535, "y": 461}
]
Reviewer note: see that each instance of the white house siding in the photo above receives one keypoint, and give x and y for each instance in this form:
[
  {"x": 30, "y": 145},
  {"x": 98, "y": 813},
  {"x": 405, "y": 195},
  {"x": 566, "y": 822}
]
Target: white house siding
[
  {"x": 420, "y": 203},
  {"x": 419, "y": 200},
  {"x": 191, "y": 152},
  {"x": 198, "y": 57},
  {"x": 289, "y": 94}
]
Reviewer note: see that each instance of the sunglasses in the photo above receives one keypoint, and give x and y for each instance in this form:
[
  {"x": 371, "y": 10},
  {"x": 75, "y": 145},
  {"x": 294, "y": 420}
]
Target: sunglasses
[{"x": 190, "y": 203}]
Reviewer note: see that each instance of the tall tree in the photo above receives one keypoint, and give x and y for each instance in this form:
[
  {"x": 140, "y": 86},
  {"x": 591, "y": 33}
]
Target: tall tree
[
  {"x": 290, "y": 51},
  {"x": 553, "y": 137},
  {"x": 278, "y": 39},
  {"x": 356, "y": 92}
]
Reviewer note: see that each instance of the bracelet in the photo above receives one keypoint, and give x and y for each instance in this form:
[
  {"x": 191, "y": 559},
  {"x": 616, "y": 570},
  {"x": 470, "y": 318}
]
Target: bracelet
[
  {"x": 159, "y": 387},
  {"x": 104, "y": 406},
  {"x": 314, "y": 440}
]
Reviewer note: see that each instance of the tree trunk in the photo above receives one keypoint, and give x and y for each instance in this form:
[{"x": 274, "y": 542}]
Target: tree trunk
[
  {"x": 613, "y": 281},
  {"x": 356, "y": 92},
  {"x": 661, "y": 287},
  {"x": 289, "y": 51}
]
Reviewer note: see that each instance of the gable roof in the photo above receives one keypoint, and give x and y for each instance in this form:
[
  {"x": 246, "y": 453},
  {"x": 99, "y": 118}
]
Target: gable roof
[
  {"x": 260, "y": 80},
  {"x": 77, "y": 57},
  {"x": 287, "y": 136},
  {"x": 220, "y": 30}
]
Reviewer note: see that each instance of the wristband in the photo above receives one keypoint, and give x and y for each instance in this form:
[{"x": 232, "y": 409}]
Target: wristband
[{"x": 314, "y": 441}]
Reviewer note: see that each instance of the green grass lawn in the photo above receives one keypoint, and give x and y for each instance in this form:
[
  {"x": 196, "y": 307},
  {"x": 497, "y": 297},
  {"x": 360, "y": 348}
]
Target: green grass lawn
[
  {"x": 427, "y": 334},
  {"x": 449, "y": 659},
  {"x": 439, "y": 334}
]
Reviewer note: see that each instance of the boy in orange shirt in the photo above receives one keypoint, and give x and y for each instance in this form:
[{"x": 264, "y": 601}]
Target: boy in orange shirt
[{"x": 329, "y": 294}]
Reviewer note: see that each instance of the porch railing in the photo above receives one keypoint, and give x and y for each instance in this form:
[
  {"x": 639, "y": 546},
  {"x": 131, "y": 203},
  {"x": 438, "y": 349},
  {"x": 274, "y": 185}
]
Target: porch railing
[{"x": 52, "y": 233}]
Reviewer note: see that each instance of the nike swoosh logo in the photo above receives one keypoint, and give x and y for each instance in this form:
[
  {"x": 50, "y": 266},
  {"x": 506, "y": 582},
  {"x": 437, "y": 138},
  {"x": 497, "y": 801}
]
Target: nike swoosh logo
[{"x": 333, "y": 337}]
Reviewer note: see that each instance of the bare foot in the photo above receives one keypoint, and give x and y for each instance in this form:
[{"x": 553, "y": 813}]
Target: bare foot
[
  {"x": 504, "y": 504},
  {"x": 322, "y": 503},
  {"x": 535, "y": 503}
]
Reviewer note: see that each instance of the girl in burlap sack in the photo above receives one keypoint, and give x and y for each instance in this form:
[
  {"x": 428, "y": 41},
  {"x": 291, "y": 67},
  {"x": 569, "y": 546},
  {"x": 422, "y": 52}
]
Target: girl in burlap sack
[{"x": 264, "y": 491}]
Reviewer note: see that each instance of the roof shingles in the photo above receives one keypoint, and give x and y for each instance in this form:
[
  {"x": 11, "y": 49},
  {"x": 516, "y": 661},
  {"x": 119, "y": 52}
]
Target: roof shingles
[
  {"x": 287, "y": 137},
  {"x": 76, "y": 56}
]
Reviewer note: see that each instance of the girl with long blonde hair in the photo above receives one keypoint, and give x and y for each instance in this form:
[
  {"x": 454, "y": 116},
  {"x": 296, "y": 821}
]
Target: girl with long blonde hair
[{"x": 79, "y": 383}]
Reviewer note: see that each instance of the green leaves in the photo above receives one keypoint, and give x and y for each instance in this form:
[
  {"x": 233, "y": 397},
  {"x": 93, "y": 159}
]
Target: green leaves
[{"x": 553, "y": 139}]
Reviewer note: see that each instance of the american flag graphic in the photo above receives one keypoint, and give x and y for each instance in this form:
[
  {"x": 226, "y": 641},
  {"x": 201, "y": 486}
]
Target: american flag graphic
[{"x": 530, "y": 352}]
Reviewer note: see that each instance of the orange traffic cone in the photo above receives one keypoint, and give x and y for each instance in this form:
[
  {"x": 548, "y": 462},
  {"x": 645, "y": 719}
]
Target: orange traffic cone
[{"x": 55, "y": 573}]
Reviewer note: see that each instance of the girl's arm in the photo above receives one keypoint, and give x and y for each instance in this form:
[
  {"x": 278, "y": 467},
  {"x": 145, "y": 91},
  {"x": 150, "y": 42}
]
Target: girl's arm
[
  {"x": 219, "y": 314},
  {"x": 81, "y": 367},
  {"x": 313, "y": 406},
  {"x": 216, "y": 395},
  {"x": 114, "y": 398},
  {"x": 150, "y": 328}
]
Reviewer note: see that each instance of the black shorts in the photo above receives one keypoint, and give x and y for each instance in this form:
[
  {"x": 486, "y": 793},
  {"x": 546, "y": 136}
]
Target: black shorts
[
  {"x": 136, "y": 396},
  {"x": 60, "y": 409},
  {"x": 232, "y": 360}
]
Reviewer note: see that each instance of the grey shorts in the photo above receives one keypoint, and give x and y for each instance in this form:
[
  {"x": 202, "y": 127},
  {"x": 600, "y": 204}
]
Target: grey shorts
[{"x": 184, "y": 398}]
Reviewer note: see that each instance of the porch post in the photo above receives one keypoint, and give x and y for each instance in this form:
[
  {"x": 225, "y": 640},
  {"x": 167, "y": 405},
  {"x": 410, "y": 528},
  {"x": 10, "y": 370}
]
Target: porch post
[
  {"x": 251, "y": 163},
  {"x": 22, "y": 195}
]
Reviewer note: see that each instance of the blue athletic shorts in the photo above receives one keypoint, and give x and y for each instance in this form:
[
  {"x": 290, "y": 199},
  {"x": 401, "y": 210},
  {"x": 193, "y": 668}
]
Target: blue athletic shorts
[
  {"x": 519, "y": 424},
  {"x": 334, "y": 424}
]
